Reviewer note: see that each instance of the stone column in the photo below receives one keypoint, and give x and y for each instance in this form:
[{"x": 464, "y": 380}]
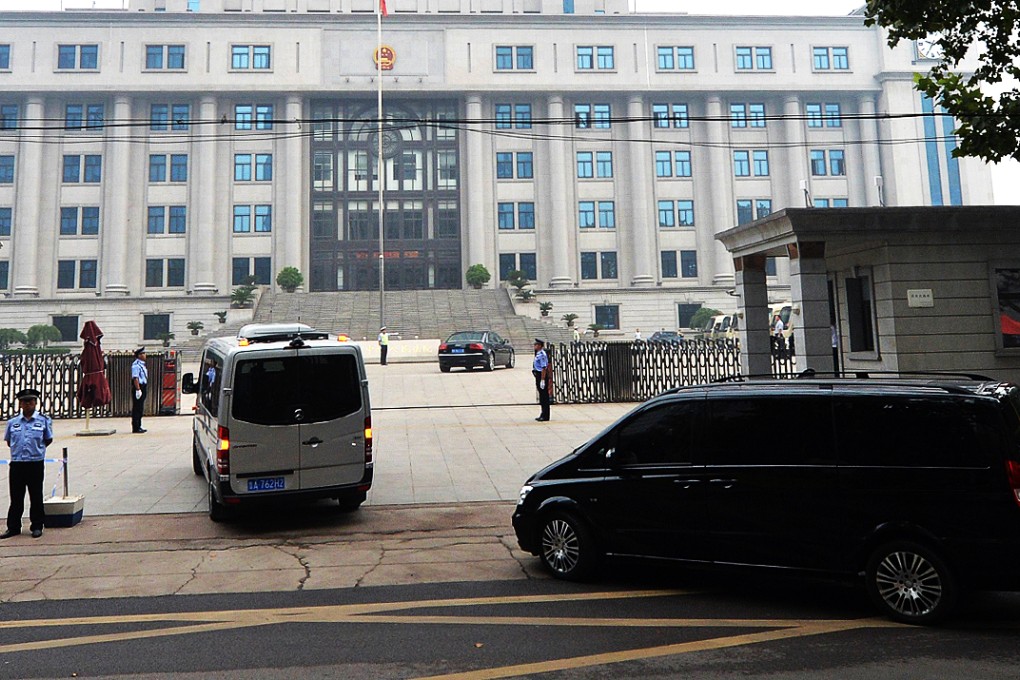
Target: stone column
[
  {"x": 202, "y": 224},
  {"x": 116, "y": 229},
  {"x": 293, "y": 225},
  {"x": 561, "y": 255},
  {"x": 477, "y": 218},
  {"x": 809, "y": 290},
  {"x": 705, "y": 181},
  {"x": 753, "y": 296},
  {"x": 642, "y": 230},
  {"x": 25, "y": 232},
  {"x": 722, "y": 193},
  {"x": 869, "y": 145},
  {"x": 797, "y": 153}
]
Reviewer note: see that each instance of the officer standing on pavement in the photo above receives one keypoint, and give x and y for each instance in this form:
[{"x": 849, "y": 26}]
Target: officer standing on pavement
[
  {"x": 27, "y": 434},
  {"x": 140, "y": 383},
  {"x": 384, "y": 345},
  {"x": 543, "y": 383}
]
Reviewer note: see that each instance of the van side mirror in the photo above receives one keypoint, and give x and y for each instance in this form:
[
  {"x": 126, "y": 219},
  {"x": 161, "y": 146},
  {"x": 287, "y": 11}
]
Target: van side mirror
[{"x": 188, "y": 385}]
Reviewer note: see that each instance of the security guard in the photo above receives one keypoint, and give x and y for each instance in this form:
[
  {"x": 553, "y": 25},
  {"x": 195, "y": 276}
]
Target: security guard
[
  {"x": 140, "y": 383},
  {"x": 27, "y": 434}
]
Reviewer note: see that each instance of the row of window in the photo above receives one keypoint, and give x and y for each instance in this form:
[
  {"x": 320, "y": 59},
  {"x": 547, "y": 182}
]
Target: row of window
[
  {"x": 670, "y": 58},
  {"x": 165, "y": 57},
  {"x": 159, "y": 272},
  {"x": 603, "y": 265}
]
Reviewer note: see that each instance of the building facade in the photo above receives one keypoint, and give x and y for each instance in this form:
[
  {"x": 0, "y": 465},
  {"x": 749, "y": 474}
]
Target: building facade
[{"x": 163, "y": 154}]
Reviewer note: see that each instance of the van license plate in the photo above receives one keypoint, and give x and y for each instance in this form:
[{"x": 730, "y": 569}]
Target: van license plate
[
  {"x": 457, "y": 351},
  {"x": 266, "y": 484}
]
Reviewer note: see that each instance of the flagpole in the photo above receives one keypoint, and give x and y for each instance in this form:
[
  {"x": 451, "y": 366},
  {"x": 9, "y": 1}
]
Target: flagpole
[{"x": 380, "y": 169}]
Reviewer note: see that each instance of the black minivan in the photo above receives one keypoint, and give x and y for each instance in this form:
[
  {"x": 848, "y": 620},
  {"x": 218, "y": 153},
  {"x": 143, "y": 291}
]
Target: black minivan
[{"x": 914, "y": 484}]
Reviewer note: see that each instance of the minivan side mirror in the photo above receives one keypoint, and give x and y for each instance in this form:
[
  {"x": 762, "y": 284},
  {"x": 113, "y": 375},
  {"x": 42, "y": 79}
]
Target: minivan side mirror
[{"x": 188, "y": 385}]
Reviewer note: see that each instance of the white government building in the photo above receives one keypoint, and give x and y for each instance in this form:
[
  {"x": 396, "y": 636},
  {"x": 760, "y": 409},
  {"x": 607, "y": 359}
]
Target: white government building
[{"x": 152, "y": 158}]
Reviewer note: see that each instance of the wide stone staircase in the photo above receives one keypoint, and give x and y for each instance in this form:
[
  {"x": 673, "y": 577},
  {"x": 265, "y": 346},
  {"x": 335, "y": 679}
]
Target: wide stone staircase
[{"x": 410, "y": 314}]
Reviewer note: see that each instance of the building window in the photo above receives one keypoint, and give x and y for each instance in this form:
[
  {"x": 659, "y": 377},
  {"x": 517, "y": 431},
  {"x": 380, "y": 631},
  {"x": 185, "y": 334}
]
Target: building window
[
  {"x": 242, "y": 219},
  {"x": 83, "y": 117},
  {"x": 84, "y": 221},
  {"x": 754, "y": 58},
  {"x": 158, "y": 222},
  {"x": 760, "y": 160},
  {"x": 515, "y": 58},
  {"x": 250, "y": 57},
  {"x": 263, "y": 165},
  {"x": 664, "y": 115},
  {"x": 86, "y": 274},
  {"x": 675, "y": 58},
  {"x": 5, "y": 57},
  {"x": 607, "y": 214},
  {"x": 606, "y": 211},
  {"x": 5, "y": 274},
  {"x": 505, "y": 216},
  {"x": 77, "y": 57},
  {"x": 261, "y": 113},
  {"x": 741, "y": 164},
  {"x": 685, "y": 213},
  {"x": 754, "y": 162},
  {"x": 608, "y": 316},
  {"x": 604, "y": 164},
  {"x": 68, "y": 327},
  {"x": 5, "y": 221},
  {"x": 669, "y": 269},
  {"x": 164, "y": 57},
  {"x": 155, "y": 326},
  {"x": 175, "y": 117},
  {"x": 263, "y": 219},
  {"x": 663, "y": 164},
  {"x": 506, "y": 165},
  {"x": 586, "y": 214},
  {"x": 743, "y": 115},
  {"x": 1005, "y": 279},
  {"x": 526, "y": 215},
  {"x": 87, "y": 169},
  {"x": 255, "y": 269},
  {"x": 749, "y": 210},
  {"x": 585, "y": 165},
  {"x": 682, "y": 163},
  {"x": 835, "y": 167},
  {"x": 158, "y": 168},
  {"x": 592, "y": 57},
  {"x": 860, "y": 313},
  {"x": 6, "y": 169},
  {"x": 667, "y": 215},
  {"x": 597, "y": 116},
  {"x": 830, "y": 202},
  {"x": 174, "y": 273},
  {"x": 513, "y": 116},
  {"x": 8, "y": 116},
  {"x": 523, "y": 262},
  {"x": 689, "y": 264},
  {"x": 827, "y": 115},
  {"x": 830, "y": 59}
]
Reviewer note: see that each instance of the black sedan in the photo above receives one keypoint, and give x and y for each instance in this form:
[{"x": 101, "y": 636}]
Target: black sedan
[
  {"x": 668, "y": 337},
  {"x": 475, "y": 348}
]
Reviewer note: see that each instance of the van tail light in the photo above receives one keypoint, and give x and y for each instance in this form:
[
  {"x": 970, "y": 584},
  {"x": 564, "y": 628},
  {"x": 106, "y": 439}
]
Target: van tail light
[
  {"x": 477, "y": 346},
  {"x": 1013, "y": 473},
  {"x": 368, "y": 440},
  {"x": 223, "y": 451}
]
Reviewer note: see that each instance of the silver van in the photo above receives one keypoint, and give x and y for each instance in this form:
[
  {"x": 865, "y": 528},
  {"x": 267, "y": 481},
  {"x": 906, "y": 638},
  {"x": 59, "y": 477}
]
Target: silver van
[{"x": 282, "y": 412}]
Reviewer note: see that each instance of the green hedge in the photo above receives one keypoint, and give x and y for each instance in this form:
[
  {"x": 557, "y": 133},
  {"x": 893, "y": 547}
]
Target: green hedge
[{"x": 39, "y": 350}]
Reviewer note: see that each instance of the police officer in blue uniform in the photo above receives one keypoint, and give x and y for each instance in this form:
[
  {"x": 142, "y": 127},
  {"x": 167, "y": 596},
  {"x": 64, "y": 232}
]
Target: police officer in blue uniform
[
  {"x": 543, "y": 380},
  {"x": 140, "y": 383},
  {"x": 27, "y": 434}
]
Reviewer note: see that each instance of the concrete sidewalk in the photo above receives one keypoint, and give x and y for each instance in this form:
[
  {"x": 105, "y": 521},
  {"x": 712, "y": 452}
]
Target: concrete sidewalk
[{"x": 451, "y": 453}]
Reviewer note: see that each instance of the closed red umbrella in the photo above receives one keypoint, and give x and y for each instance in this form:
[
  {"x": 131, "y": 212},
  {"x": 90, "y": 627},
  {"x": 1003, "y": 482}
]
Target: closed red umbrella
[{"x": 93, "y": 387}]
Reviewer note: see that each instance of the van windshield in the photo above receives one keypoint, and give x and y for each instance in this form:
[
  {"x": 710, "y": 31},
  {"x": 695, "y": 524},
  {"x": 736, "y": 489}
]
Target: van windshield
[{"x": 269, "y": 391}]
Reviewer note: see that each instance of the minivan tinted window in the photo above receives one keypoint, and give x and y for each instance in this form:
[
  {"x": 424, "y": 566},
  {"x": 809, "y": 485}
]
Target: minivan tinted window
[
  {"x": 914, "y": 432},
  {"x": 269, "y": 391},
  {"x": 660, "y": 435},
  {"x": 770, "y": 430}
]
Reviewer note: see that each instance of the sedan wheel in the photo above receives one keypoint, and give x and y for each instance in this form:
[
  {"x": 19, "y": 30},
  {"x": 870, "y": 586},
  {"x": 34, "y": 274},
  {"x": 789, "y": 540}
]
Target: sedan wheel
[
  {"x": 568, "y": 550},
  {"x": 490, "y": 361},
  {"x": 910, "y": 583},
  {"x": 511, "y": 360}
]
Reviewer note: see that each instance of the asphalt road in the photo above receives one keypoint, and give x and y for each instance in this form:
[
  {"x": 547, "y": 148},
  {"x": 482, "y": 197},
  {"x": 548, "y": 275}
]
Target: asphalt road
[{"x": 635, "y": 625}]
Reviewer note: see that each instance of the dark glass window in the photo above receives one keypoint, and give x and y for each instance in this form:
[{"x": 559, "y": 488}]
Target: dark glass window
[
  {"x": 155, "y": 325},
  {"x": 746, "y": 421},
  {"x": 263, "y": 270},
  {"x": 268, "y": 391},
  {"x": 658, "y": 436},
  {"x": 608, "y": 316},
  {"x": 68, "y": 327},
  {"x": 860, "y": 314}
]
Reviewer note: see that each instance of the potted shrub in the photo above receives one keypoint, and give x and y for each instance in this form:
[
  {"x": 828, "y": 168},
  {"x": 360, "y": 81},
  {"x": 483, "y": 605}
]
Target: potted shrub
[
  {"x": 222, "y": 316},
  {"x": 544, "y": 308},
  {"x": 195, "y": 327},
  {"x": 242, "y": 296},
  {"x": 526, "y": 295},
  {"x": 41, "y": 335},
  {"x": 595, "y": 328},
  {"x": 477, "y": 275},
  {"x": 165, "y": 338},
  {"x": 569, "y": 318},
  {"x": 11, "y": 336},
  {"x": 289, "y": 279}
]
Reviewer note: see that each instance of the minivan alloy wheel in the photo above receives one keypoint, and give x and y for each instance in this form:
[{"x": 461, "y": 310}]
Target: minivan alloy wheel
[
  {"x": 910, "y": 583},
  {"x": 567, "y": 548}
]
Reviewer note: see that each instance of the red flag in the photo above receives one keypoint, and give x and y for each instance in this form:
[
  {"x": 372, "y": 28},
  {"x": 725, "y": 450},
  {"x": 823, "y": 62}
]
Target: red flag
[{"x": 382, "y": 7}]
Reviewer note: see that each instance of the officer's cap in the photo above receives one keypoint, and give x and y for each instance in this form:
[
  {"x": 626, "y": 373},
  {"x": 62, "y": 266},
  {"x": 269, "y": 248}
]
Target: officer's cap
[
  {"x": 139, "y": 351},
  {"x": 28, "y": 393},
  {"x": 539, "y": 341}
]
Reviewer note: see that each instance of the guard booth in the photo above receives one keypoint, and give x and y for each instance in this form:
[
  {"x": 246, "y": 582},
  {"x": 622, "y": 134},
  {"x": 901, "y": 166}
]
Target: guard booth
[{"x": 164, "y": 372}]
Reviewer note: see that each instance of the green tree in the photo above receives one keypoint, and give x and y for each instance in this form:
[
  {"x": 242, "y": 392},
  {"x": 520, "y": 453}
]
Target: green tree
[
  {"x": 11, "y": 336},
  {"x": 289, "y": 279},
  {"x": 988, "y": 125},
  {"x": 42, "y": 335},
  {"x": 701, "y": 317}
]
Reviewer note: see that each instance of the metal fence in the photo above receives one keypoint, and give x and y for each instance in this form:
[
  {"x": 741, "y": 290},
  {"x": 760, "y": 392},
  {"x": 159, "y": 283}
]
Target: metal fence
[
  {"x": 599, "y": 372},
  {"x": 56, "y": 377}
]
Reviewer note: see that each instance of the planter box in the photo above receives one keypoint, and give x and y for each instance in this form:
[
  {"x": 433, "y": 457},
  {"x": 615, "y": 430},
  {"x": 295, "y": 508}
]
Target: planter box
[{"x": 64, "y": 511}]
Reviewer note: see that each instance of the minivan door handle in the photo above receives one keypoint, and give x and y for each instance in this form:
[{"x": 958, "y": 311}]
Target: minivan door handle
[
  {"x": 726, "y": 483},
  {"x": 314, "y": 441},
  {"x": 687, "y": 483}
]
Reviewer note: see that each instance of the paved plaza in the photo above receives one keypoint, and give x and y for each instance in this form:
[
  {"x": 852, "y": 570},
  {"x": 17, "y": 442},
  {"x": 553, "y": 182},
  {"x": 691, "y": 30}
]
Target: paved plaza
[{"x": 439, "y": 437}]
